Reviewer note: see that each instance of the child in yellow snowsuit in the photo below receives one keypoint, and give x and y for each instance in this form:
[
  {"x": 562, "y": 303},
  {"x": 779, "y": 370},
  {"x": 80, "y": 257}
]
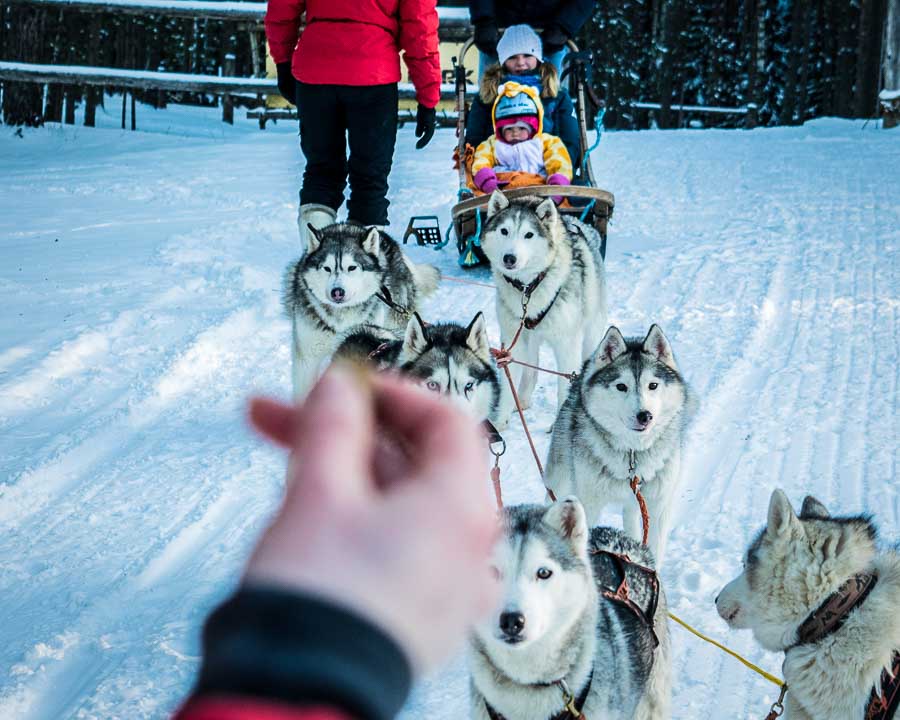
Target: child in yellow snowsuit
[{"x": 519, "y": 153}]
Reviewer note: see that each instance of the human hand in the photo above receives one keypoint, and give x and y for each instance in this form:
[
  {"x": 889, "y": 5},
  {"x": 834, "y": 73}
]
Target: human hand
[
  {"x": 287, "y": 84},
  {"x": 553, "y": 39},
  {"x": 558, "y": 179},
  {"x": 425, "y": 122},
  {"x": 486, "y": 180},
  {"x": 486, "y": 36},
  {"x": 386, "y": 512}
]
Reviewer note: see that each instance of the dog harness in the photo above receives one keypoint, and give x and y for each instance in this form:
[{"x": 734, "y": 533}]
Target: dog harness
[
  {"x": 830, "y": 616},
  {"x": 527, "y": 290},
  {"x": 573, "y": 705}
]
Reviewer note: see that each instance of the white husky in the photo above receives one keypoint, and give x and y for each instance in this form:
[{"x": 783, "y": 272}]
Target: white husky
[
  {"x": 624, "y": 416},
  {"x": 558, "y": 636},
  {"x": 817, "y": 588},
  {"x": 553, "y": 263}
]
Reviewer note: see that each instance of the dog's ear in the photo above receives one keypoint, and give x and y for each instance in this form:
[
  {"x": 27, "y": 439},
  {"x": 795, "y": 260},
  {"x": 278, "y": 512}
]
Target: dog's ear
[
  {"x": 611, "y": 347},
  {"x": 372, "y": 241},
  {"x": 313, "y": 240},
  {"x": 477, "y": 338},
  {"x": 415, "y": 342},
  {"x": 656, "y": 345},
  {"x": 567, "y": 518},
  {"x": 781, "y": 515},
  {"x": 813, "y": 510},
  {"x": 547, "y": 211},
  {"x": 497, "y": 203}
]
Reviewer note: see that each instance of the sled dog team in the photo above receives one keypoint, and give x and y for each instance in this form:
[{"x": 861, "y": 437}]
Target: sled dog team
[{"x": 581, "y": 630}]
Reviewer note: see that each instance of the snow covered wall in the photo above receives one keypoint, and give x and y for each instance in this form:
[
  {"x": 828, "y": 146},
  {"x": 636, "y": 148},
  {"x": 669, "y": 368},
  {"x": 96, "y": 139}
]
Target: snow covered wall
[{"x": 139, "y": 281}]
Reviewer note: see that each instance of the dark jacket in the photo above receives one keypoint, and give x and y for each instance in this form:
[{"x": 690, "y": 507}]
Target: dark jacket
[
  {"x": 271, "y": 654},
  {"x": 559, "y": 111},
  {"x": 570, "y": 15}
]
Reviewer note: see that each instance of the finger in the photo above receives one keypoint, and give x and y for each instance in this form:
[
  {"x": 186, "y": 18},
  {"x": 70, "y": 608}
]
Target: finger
[
  {"x": 273, "y": 419},
  {"x": 435, "y": 434},
  {"x": 333, "y": 438}
]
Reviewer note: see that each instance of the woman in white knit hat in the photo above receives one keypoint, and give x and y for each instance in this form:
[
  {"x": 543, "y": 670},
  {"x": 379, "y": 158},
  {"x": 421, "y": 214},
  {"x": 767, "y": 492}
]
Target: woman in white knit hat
[{"x": 521, "y": 60}]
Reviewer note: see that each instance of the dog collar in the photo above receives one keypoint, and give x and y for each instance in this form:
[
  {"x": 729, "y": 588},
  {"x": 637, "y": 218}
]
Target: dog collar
[
  {"x": 530, "y": 287},
  {"x": 832, "y": 613}
]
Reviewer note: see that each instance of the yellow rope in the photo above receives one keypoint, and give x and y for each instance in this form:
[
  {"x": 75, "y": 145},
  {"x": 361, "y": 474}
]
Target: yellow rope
[{"x": 767, "y": 676}]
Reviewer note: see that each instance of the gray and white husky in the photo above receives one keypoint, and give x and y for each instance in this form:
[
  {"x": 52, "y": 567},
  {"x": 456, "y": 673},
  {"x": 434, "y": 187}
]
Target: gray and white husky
[
  {"x": 624, "y": 416},
  {"x": 446, "y": 357},
  {"x": 818, "y": 589},
  {"x": 557, "y": 633},
  {"x": 335, "y": 287},
  {"x": 554, "y": 262}
]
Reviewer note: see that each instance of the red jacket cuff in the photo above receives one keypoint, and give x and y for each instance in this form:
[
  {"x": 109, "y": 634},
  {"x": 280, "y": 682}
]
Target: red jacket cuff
[{"x": 240, "y": 708}]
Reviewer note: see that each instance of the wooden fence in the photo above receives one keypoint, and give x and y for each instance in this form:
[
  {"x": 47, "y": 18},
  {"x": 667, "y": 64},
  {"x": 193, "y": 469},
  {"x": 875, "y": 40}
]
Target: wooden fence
[{"x": 454, "y": 26}]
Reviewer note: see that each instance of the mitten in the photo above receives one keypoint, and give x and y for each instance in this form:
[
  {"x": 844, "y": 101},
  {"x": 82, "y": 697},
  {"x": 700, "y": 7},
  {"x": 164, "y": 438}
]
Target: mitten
[
  {"x": 486, "y": 180},
  {"x": 558, "y": 179},
  {"x": 426, "y": 119}
]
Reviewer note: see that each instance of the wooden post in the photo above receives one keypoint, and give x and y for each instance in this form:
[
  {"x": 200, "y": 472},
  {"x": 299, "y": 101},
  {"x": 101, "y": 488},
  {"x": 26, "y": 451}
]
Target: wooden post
[
  {"x": 751, "y": 118},
  {"x": 91, "y": 92},
  {"x": 227, "y": 100},
  {"x": 133, "y": 120},
  {"x": 73, "y": 95},
  {"x": 124, "y": 101}
]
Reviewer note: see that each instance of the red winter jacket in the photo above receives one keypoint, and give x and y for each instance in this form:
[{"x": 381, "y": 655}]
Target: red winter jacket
[
  {"x": 225, "y": 708},
  {"x": 357, "y": 42}
]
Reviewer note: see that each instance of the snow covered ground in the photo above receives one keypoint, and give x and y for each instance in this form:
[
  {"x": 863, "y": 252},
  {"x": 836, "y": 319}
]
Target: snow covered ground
[{"x": 139, "y": 280}]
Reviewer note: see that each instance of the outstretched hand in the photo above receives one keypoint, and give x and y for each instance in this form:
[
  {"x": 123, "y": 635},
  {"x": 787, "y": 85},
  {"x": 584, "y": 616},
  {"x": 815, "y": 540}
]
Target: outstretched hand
[{"x": 386, "y": 510}]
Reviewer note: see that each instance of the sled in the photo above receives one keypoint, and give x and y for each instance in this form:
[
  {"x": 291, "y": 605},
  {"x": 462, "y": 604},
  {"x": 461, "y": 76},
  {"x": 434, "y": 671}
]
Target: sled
[{"x": 585, "y": 200}]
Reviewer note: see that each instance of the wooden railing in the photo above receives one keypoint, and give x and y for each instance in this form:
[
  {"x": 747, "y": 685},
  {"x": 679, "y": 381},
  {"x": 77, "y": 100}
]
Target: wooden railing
[{"x": 454, "y": 26}]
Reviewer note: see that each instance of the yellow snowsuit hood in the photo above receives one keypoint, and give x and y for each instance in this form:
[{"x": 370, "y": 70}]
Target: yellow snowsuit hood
[{"x": 511, "y": 89}]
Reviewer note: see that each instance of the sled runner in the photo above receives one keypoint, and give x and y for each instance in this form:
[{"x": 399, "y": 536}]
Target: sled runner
[{"x": 583, "y": 199}]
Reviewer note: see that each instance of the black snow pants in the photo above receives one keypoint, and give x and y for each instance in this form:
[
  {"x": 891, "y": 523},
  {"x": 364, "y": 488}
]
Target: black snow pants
[{"x": 331, "y": 116}]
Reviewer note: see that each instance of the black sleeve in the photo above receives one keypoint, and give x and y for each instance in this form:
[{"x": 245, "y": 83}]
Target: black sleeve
[
  {"x": 478, "y": 123},
  {"x": 481, "y": 10},
  {"x": 572, "y": 15},
  {"x": 275, "y": 644},
  {"x": 566, "y": 125}
]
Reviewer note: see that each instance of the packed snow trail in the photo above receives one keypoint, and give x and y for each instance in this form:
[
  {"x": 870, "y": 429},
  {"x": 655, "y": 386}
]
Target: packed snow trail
[{"x": 140, "y": 278}]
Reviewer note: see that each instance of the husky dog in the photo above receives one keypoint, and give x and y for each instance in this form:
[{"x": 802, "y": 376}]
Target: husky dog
[
  {"x": 446, "y": 358},
  {"x": 624, "y": 416},
  {"x": 816, "y": 588},
  {"x": 335, "y": 287},
  {"x": 558, "y": 633},
  {"x": 551, "y": 262}
]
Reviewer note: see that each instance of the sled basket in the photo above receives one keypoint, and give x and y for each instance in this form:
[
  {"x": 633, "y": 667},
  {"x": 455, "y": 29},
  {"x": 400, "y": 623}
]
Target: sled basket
[{"x": 590, "y": 205}]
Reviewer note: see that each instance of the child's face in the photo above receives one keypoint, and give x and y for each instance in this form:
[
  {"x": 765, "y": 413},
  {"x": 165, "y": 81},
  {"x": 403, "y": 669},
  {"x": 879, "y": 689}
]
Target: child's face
[
  {"x": 521, "y": 64},
  {"x": 514, "y": 134}
]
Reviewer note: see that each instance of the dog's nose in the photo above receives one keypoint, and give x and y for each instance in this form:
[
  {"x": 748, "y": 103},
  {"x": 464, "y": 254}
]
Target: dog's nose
[
  {"x": 509, "y": 260},
  {"x": 644, "y": 417},
  {"x": 512, "y": 623},
  {"x": 338, "y": 294}
]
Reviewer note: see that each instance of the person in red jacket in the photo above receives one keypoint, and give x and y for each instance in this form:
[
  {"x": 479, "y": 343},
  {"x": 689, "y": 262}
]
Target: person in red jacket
[
  {"x": 375, "y": 565},
  {"x": 342, "y": 74}
]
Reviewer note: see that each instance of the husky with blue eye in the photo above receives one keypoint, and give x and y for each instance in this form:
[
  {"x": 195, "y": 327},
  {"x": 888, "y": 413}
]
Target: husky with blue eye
[
  {"x": 350, "y": 276},
  {"x": 625, "y": 416},
  {"x": 448, "y": 358}
]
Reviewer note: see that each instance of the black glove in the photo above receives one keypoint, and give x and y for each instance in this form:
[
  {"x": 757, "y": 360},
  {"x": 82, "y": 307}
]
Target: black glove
[
  {"x": 287, "y": 84},
  {"x": 486, "y": 36},
  {"x": 425, "y": 122},
  {"x": 553, "y": 39}
]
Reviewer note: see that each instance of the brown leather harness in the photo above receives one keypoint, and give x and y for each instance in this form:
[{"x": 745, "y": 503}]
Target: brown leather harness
[{"x": 830, "y": 616}]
